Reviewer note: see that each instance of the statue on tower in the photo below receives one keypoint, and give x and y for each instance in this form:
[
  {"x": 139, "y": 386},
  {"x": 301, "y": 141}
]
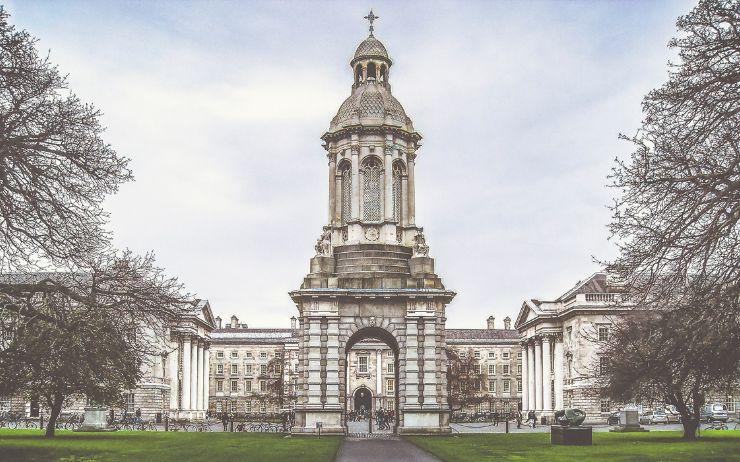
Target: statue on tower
[
  {"x": 323, "y": 244},
  {"x": 421, "y": 249}
]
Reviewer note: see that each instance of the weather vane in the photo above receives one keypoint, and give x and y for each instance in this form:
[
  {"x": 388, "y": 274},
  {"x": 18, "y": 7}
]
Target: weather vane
[{"x": 371, "y": 17}]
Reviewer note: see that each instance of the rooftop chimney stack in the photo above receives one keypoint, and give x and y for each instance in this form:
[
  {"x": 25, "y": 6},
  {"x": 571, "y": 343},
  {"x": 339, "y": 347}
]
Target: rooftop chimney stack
[
  {"x": 507, "y": 323},
  {"x": 490, "y": 323},
  {"x": 234, "y": 321},
  {"x": 218, "y": 322},
  {"x": 292, "y": 322}
]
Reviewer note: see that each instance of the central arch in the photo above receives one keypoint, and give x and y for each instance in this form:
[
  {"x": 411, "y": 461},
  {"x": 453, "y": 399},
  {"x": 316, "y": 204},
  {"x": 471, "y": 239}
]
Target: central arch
[{"x": 363, "y": 395}]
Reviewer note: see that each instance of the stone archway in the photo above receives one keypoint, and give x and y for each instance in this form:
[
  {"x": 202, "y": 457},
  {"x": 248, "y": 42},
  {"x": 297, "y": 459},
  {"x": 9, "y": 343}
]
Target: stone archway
[{"x": 362, "y": 399}]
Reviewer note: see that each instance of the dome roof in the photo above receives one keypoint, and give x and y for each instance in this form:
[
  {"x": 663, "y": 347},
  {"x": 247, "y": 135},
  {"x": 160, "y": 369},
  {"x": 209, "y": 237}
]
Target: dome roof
[
  {"x": 371, "y": 48},
  {"x": 371, "y": 104}
]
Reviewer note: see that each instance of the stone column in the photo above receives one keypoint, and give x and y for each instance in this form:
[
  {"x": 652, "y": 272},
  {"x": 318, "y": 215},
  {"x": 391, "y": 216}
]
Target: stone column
[
  {"x": 379, "y": 375},
  {"x": 546, "y": 374},
  {"x": 355, "y": 182},
  {"x": 172, "y": 366},
  {"x": 338, "y": 199},
  {"x": 412, "y": 364},
  {"x": 430, "y": 362},
  {"x": 404, "y": 200},
  {"x": 332, "y": 184},
  {"x": 525, "y": 384},
  {"x": 411, "y": 193},
  {"x": 388, "y": 167},
  {"x": 559, "y": 373},
  {"x": 194, "y": 374},
  {"x": 199, "y": 379},
  {"x": 186, "y": 362},
  {"x": 332, "y": 362},
  {"x": 206, "y": 375},
  {"x": 538, "y": 374},
  {"x": 313, "y": 372},
  {"x": 531, "y": 388}
]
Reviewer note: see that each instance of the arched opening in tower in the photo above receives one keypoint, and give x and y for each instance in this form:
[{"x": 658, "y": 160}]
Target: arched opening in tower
[{"x": 371, "y": 70}]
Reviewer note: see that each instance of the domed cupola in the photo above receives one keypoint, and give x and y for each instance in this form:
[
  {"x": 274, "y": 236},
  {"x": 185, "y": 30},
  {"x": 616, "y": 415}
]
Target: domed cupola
[{"x": 371, "y": 103}]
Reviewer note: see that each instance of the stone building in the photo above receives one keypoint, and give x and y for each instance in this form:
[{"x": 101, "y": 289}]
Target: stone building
[{"x": 560, "y": 340}]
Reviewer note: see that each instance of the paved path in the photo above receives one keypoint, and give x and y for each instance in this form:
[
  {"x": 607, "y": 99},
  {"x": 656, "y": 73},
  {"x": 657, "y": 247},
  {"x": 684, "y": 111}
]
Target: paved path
[{"x": 388, "y": 450}]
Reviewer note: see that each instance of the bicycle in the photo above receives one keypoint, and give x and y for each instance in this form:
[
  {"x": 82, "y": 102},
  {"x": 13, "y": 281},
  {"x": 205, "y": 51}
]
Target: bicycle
[{"x": 717, "y": 426}]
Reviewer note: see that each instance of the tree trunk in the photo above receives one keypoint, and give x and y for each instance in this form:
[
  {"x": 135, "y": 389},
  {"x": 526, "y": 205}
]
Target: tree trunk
[{"x": 56, "y": 409}]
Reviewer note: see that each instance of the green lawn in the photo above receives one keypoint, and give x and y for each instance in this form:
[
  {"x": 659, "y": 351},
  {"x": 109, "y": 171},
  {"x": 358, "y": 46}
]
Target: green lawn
[
  {"x": 28, "y": 445},
  {"x": 655, "y": 446}
]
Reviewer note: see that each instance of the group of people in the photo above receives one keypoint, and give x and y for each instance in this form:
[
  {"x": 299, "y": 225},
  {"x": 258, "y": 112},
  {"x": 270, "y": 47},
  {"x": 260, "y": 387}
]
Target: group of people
[{"x": 384, "y": 418}]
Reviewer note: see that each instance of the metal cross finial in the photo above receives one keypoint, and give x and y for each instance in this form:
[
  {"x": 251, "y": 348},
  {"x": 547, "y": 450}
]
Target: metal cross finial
[{"x": 371, "y": 17}]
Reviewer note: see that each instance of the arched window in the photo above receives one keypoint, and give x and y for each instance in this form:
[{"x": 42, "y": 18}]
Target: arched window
[
  {"x": 346, "y": 174},
  {"x": 397, "y": 182},
  {"x": 358, "y": 74},
  {"x": 372, "y": 170},
  {"x": 383, "y": 73},
  {"x": 371, "y": 71}
]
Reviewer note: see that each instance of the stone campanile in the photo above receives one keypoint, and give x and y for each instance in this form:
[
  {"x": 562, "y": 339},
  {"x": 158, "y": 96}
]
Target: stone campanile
[{"x": 372, "y": 276}]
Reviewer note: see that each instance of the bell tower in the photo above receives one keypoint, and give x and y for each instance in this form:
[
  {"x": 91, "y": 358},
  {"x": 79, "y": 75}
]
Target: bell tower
[{"x": 372, "y": 276}]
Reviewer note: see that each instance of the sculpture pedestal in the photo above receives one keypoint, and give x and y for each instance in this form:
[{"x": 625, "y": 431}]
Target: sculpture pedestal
[
  {"x": 628, "y": 422},
  {"x": 95, "y": 420},
  {"x": 574, "y": 436}
]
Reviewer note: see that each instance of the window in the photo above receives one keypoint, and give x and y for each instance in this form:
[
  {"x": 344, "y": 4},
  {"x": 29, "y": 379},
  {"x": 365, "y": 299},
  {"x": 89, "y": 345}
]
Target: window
[
  {"x": 232, "y": 406},
  {"x": 263, "y": 369},
  {"x": 362, "y": 364},
  {"x": 506, "y": 369},
  {"x": 346, "y": 173},
  {"x": 219, "y": 354},
  {"x": 234, "y": 386},
  {"x": 519, "y": 386},
  {"x": 248, "y": 407},
  {"x": 234, "y": 354},
  {"x": 219, "y": 385},
  {"x": 518, "y": 355},
  {"x": 249, "y": 354},
  {"x": 477, "y": 355},
  {"x": 603, "y": 333},
  {"x": 389, "y": 353},
  {"x": 247, "y": 386},
  {"x": 603, "y": 366},
  {"x": 477, "y": 385},
  {"x": 492, "y": 386},
  {"x": 234, "y": 369},
  {"x": 507, "y": 386},
  {"x": 505, "y": 355},
  {"x": 519, "y": 369},
  {"x": 569, "y": 332},
  {"x": 4, "y": 404},
  {"x": 129, "y": 402},
  {"x": 391, "y": 368},
  {"x": 248, "y": 369},
  {"x": 219, "y": 369},
  {"x": 263, "y": 408},
  {"x": 491, "y": 369},
  {"x": 605, "y": 405},
  {"x": 263, "y": 355},
  {"x": 278, "y": 355},
  {"x": 491, "y": 355},
  {"x": 390, "y": 386},
  {"x": 371, "y": 173},
  {"x": 480, "y": 368},
  {"x": 219, "y": 406},
  {"x": 263, "y": 385},
  {"x": 397, "y": 177}
]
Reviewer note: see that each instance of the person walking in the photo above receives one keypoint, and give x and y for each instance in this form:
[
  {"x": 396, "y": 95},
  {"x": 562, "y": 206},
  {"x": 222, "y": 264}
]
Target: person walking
[
  {"x": 225, "y": 421},
  {"x": 518, "y": 420}
]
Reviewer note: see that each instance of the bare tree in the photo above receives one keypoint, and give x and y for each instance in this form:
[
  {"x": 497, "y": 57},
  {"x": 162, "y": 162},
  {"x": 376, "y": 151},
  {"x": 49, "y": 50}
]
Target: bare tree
[
  {"x": 465, "y": 382},
  {"x": 55, "y": 170}
]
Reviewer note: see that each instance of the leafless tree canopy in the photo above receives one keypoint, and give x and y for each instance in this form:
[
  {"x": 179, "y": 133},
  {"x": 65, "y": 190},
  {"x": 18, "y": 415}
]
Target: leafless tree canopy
[
  {"x": 465, "y": 382},
  {"x": 677, "y": 217},
  {"x": 55, "y": 170}
]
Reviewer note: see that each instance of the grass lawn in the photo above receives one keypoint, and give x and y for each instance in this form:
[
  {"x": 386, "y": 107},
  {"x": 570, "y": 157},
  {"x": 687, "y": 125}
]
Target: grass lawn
[
  {"x": 29, "y": 445},
  {"x": 655, "y": 446}
]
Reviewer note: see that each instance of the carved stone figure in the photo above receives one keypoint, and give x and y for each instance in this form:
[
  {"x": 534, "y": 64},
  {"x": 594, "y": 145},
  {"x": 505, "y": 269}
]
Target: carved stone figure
[
  {"x": 323, "y": 244},
  {"x": 421, "y": 249}
]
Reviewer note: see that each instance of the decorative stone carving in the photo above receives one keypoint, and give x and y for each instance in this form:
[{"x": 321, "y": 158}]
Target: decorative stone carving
[
  {"x": 421, "y": 249},
  {"x": 372, "y": 233},
  {"x": 323, "y": 244}
]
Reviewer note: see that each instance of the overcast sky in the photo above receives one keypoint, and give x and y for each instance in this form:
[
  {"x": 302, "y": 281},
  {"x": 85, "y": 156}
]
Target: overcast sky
[{"x": 220, "y": 106}]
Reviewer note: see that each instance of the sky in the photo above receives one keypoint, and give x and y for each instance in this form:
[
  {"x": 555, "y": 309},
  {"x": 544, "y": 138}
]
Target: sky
[{"x": 220, "y": 107}]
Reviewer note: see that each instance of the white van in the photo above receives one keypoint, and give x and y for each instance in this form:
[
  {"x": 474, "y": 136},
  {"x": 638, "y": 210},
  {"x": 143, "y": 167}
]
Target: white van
[{"x": 716, "y": 412}]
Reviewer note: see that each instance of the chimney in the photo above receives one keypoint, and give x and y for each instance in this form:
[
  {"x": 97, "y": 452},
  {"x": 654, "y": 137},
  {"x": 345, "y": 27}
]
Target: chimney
[
  {"x": 292, "y": 322},
  {"x": 218, "y": 322},
  {"x": 507, "y": 323},
  {"x": 234, "y": 321},
  {"x": 490, "y": 322}
]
